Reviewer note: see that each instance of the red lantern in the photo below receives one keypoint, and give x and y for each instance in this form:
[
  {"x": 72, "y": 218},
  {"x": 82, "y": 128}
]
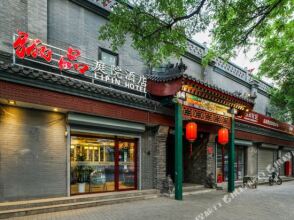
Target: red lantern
[
  {"x": 223, "y": 136},
  {"x": 191, "y": 133}
]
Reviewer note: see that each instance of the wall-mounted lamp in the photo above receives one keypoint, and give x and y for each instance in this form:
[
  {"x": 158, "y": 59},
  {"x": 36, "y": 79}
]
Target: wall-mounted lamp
[{"x": 11, "y": 102}]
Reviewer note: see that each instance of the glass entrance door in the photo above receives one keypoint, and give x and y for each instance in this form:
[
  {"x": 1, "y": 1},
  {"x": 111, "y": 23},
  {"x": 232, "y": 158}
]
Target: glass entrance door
[
  {"x": 222, "y": 163},
  {"x": 127, "y": 165},
  {"x": 102, "y": 164}
]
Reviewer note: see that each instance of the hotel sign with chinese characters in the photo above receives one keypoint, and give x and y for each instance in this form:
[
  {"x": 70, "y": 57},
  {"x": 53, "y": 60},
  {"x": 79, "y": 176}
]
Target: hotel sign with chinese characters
[
  {"x": 264, "y": 121},
  {"x": 34, "y": 51}
]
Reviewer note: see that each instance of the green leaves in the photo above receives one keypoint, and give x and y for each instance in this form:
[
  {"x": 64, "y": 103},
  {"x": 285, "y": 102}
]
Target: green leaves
[{"x": 159, "y": 30}]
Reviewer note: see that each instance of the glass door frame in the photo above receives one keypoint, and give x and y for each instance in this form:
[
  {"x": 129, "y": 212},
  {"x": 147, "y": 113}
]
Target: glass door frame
[
  {"x": 116, "y": 140},
  {"x": 117, "y": 165},
  {"x": 221, "y": 152}
]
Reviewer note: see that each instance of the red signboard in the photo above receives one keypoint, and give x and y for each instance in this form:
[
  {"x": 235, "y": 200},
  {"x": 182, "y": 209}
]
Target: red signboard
[
  {"x": 268, "y": 122},
  {"x": 202, "y": 115}
]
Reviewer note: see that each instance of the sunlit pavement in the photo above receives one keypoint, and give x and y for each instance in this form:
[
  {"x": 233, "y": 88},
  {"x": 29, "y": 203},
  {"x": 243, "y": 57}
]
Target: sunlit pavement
[{"x": 264, "y": 203}]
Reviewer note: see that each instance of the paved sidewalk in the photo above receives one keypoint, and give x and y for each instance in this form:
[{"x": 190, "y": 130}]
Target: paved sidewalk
[{"x": 264, "y": 203}]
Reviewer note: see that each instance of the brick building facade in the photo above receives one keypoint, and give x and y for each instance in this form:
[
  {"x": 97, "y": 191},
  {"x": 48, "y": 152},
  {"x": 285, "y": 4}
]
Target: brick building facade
[{"x": 98, "y": 133}]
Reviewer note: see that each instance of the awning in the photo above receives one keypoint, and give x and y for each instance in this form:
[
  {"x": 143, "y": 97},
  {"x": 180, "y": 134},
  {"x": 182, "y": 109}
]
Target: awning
[
  {"x": 243, "y": 142},
  {"x": 101, "y": 122},
  {"x": 271, "y": 146}
]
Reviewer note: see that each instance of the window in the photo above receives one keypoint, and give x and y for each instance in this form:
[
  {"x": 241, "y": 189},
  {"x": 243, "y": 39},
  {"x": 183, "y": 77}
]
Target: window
[
  {"x": 108, "y": 57},
  {"x": 102, "y": 163}
]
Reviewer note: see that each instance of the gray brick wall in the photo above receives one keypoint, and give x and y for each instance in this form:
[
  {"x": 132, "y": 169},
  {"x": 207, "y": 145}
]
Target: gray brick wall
[
  {"x": 70, "y": 24},
  {"x": 147, "y": 158},
  {"x": 226, "y": 83},
  {"x": 23, "y": 15},
  {"x": 37, "y": 18},
  {"x": 159, "y": 157},
  {"x": 32, "y": 154},
  {"x": 13, "y": 16}
]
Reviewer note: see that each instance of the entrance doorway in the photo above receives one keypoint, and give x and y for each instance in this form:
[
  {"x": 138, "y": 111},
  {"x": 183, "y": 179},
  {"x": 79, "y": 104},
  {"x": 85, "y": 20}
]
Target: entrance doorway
[
  {"x": 102, "y": 164},
  {"x": 194, "y": 165}
]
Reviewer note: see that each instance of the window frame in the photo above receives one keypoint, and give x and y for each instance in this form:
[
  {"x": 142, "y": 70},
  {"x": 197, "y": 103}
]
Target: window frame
[{"x": 101, "y": 49}]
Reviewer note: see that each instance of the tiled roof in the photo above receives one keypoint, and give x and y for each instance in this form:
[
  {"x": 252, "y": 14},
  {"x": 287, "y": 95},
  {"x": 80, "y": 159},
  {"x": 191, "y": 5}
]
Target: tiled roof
[
  {"x": 53, "y": 80},
  {"x": 173, "y": 75}
]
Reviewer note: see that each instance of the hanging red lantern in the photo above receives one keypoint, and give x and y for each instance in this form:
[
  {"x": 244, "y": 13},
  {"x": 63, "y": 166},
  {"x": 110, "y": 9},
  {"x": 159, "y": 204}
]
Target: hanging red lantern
[
  {"x": 223, "y": 136},
  {"x": 191, "y": 134}
]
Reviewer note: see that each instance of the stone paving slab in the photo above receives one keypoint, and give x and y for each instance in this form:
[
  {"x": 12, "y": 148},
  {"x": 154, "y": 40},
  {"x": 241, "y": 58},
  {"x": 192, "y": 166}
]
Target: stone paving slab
[{"x": 264, "y": 203}]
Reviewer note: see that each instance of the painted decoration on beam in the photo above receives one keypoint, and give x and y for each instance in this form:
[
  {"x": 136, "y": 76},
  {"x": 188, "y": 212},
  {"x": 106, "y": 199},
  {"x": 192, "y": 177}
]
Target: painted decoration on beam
[
  {"x": 190, "y": 113},
  {"x": 33, "y": 52},
  {"x": 199, "y": 103}
]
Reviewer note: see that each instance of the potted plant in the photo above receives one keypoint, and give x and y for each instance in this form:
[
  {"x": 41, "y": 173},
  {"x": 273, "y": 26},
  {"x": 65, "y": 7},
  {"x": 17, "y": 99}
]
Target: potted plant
[{"x": 81, "y": 174}]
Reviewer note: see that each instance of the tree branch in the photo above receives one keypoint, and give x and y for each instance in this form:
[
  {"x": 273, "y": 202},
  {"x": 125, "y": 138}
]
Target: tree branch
[
  {"x": 264, "y": 16},
  {"x": 175, "y": 20},
  {"x": 197, "y": 11}
]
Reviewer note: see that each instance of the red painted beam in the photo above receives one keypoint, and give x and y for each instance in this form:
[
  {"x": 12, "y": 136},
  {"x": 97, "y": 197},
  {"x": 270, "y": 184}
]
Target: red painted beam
[
  {"x": 164, "y": 88},
  {"x": 22, "y": 93}
]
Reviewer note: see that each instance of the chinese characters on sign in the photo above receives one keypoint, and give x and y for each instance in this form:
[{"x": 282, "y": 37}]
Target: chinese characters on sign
[
  {"x": 115, "y": 75},
  {"x": 34, "y": 48},
  {"x": 256, "y": 118},
  {"x": 25, "y": 47},
  {"x": 70, "y": 60},
  {"x": 202, "y": 115},
  {"x": 36, "y": 51},
  {"x": 196, "y": 102}
]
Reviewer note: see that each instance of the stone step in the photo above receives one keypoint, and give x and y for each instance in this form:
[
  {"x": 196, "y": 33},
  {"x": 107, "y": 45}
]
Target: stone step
[
  {"x": 192, "y": 188},
  {"x": 73, "y": 199},
  {"x": 69, "y": 206},
  {"x": 200, "y": 191}
]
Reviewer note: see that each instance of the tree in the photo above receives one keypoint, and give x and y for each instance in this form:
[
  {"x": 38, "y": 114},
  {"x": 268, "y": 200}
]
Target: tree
[
  {"x": 277, "y": 58},
  {"x": 159, "y": 29}
]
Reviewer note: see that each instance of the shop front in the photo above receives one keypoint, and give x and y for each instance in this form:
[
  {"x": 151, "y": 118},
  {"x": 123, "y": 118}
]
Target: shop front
[
  {"x": 270, "y": 142},
  {"x": 69, "y": 127},
  {"x": 222, "y": 163},
  {"x": 104, "y": 154},
  {"x": 102, "y": 163},
  {"x": 204, "y": 115},
  {"x": 267, "y": 155}
]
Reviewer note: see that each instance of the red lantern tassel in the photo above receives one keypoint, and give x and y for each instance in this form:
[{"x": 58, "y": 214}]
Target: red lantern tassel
[{"x": 191, "y": 149}]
